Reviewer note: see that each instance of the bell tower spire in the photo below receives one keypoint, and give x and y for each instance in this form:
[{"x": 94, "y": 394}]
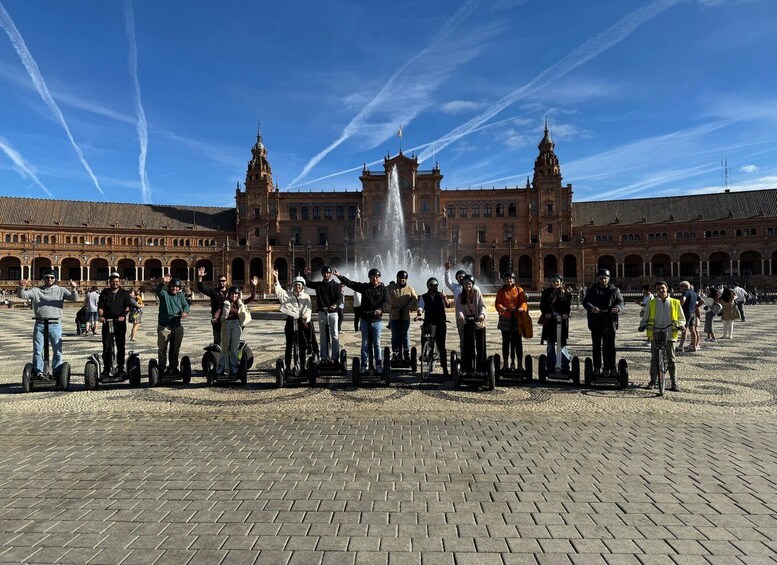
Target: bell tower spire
[{"x": 546, "y": 164}]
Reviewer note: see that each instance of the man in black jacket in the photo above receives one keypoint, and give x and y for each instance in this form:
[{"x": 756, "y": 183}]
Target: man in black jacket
[
  {"x": 328, "y": 298},
  {"x": 114, "y": 304},
  {"x": 374, "y": 303},
  {"x": 603, "y": 301},
  {"x": 432, "y": 307},
  {"x": 217, "y": 297}
]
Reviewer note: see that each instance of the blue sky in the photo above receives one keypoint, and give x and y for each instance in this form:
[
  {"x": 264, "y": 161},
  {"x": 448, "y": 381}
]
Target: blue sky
[{"x": 159, "y": 101}]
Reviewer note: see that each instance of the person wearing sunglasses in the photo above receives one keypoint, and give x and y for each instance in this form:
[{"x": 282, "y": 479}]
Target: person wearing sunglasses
[
  {"x": 48, "y": 301},
  {"x": 217, "y": 297}
]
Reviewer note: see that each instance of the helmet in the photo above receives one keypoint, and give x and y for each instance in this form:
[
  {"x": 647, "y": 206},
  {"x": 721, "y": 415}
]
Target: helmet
[
  {"x": 556, "y": 277},
  {"x": 233, "y": 289},
  {"x": 468, "y": 278},
  {"x": 374, "y": 273},
  {"x": 401, "y": 275},
  {"x": 299, "y": 280},
  {"x": 175, "y": 282},
  {"x": 114, "y": 275},
  {"x": 49, "y": 273},
  {"x": 325, "y": 269},
  {"x": 603, "y": 273},
  {"x": 432, "y": 283},
  {"x": 508, "y": 274},
  {"x": 460, "y": 273}
]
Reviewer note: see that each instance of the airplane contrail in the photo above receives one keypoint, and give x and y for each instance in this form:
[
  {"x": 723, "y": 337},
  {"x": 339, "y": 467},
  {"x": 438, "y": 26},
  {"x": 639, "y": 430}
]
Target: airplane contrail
[
  {"x": 582, "y": 54},
  {"x": 40, "y": 84},
  {"x": 141, "y": 125},
  {"x": 20, "y": 164},
  {"x": 378, "y": 100}
]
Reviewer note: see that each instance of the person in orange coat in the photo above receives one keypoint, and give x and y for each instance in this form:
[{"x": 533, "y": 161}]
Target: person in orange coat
[{"x": 511, "y": 304}]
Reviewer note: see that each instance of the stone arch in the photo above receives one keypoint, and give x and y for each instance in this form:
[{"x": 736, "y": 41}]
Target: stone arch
[
  {"x": 504, "y": 266},
  {"x": 299, "y": 266},
  {"x": 98, "y": 269},
  {"x": 689, "y": 265},
  {"x": 661, "y": 266},
  {"x": 282, "y": 266},
  {"x": 179, "y": 269},
  {"x": 238, "y": 270},
  {"x": 719, "y": 264},
  {"x": 11, "y": 269},
  {"x": 316, "y": 263},
  {"x": 606, "y": 262},
  {"x": 525, "y": 269},
  {"x": 632, "y": 266},
  {"x": 152, "y": 269},
  {"x": 469, "y": 263},
  {"x": 256, "y": 268},
  {"x": 208, "y": 265},
  {"x": 750, "y": 263},
  {"x": 70, "y": 269},
  {"x": 126, "y": 268},
  {"x": 570, "y": 267},
  {"x": 549, "y": 265},
  {"x": 487, "y": 267}
]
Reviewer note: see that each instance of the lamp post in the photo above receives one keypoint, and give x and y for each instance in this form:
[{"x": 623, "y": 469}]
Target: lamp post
[
  {"x": 455, "y": 239},
  {"x": 291, "y": 248},
  {"x": 307, "y": 248},
  {"x": 32, "y": 266},
  {"x": 345, "y": 241},
  {"x": 510, "y": 264},
  {"x": 493, "y": 261}
]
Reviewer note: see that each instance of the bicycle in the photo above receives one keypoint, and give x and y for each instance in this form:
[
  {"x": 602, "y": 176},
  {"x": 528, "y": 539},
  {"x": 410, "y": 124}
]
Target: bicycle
[{"x": 659, "y": 341}]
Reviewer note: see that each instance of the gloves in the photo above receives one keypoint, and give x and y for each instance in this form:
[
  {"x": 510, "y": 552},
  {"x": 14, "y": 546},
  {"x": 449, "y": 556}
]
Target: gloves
[{"x": 641, "y": 329}]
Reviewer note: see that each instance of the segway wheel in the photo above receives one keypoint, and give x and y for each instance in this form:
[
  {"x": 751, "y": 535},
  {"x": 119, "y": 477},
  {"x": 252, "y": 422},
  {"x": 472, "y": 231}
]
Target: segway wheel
[
  {"x": 209, "y": 364},
  {"x": 312, "y": 370},
  {"x": 456, "y": 372},
  {"x": 356, "y": 366},
  {"x": 414, "y": 359},
  {"x": 454, "y": 356},
  {"x": 498, "y": 367},
  {"x": 528, "y": 367},
  {"x": 133, "y": 370},
  {"x": 576, "y": 371},
  {"x": 27, "y": 378},
  {"x": 90, "y": 375},
  {"x": 280, "y": 373},
  {"x": 387, "y": 370},
  {"x": 242, "y": 370},
  {"x": 248, "y": 354},
  {"x": 623, "y": 372},
  {"x": 63, "y": 378},
  {"x": 186, "y": 370},
  {"x": 344, "y": 362},
  {"x": 491, "y": 385},
  {"x": 153, "y": 372},
  {"x": 588, "y": 371},
  {"x": 386, "y": 353},
  {"x": 542, "y": 368}
]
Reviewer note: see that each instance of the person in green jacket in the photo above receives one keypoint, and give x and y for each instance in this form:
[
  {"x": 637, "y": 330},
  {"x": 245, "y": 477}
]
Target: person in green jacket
[{"x": 173, "y": 307}]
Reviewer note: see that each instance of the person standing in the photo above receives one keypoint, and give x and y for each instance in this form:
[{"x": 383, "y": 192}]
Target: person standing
[
  {"x": 136, "y": 313},
  {"x": 47, "y": 301},
  {"x": 373, "y": 304},
  {"x": 511, "y": 304},
  {"x": 431, "y": 306},
  {"x": 688, "y": 301},
  {"x": 472, "y": 314},
  {"x": 730, "y": 312},
  {"x": 217, "y": 297},
  {"x": 298, "y": 308},
  {"x": 90, "y": 302},
  {"x": 663, "y": 312},
  {"x": 114, "y": 304},
  {"x": 328, "y": 297},
  {"x": 555, "y": 303},
  {"x": 173, "y": 308},
  {"x": 232, "y": 310},
  {"x": 740, "y": 299},
  {"x": 402, "y": 300},
  {"x": 603, "y": 301}
]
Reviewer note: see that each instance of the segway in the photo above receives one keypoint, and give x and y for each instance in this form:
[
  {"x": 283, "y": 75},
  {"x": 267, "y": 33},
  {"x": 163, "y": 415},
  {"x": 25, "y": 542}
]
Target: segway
[
  {"x": 295, "y": 374},
  {"x": 94, "y": 375},
  {"x": 371, "y": 375},
  {"x": 561, "y": 368},
  {"x": 59, "y": 377},
  {"x": 514, "y": 372},
  {"x": 618, "y": 377},
  {"x": 331, "y": 367},
  {"x": 158, "y": 375},
  {"x": 429, "y": 354},
  {"x": 465, "y": 371},
  {"x": 212, "y": 357},
  {"x": 403, "y": 359}
]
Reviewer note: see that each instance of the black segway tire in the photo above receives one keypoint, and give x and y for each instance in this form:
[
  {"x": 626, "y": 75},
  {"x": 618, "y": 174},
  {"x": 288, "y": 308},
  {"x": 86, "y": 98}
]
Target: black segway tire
[
  {"x": 63, "y": 377},
  {"x": 387, "y": 370},
  {"x": 90, "y": 375},
  {"x": 27, "y": 378},
  {"x": 414, "y": 359},
  {"x": 242, "y": 370},
  {"x": 153, "y": 373},
  {"x": 623, "y": 373},
  {"x": 498, "y": 368},
  {"x": 344, "y": 362},
  {"x": 542, "y": 368},
  {"x": 491, "y": 384},
  {"x": 312, "y": 368},
  {"x": 454, "y": 356},
  {"x": 588, "y": 371},
  {"x": 528, "y": 367},
  {"x": 248, "y": 355},
  {"x": 280, "y": 373},
  {"x": 456, "y": 372},
  {"x": 576, "y": 371},
  {"x": 186, "y": 370},
  {"x": 133, "y": 370},
  {"x": 356, "y": 366}
]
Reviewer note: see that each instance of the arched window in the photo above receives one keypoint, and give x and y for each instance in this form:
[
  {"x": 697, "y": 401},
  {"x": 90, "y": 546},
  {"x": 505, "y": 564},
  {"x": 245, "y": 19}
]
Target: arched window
[
  {"x": 340, "y": 213},
  {"x": 500, "y": 210},
  {"x": 722, "y": 233},
  {"x": 316, "y": 213},
  {"x": 475, "y": 210},
  {"x": 293, "y": 213},
  {"x": 351, "y": 212},
  {"x": 512, "y": 210},
  {"x": 738, "y": 233},
  {"x": 304, "y": 213},
  {"x": 328, "y": 213},
  {"x": 462, "y": 211},
  {"x": 769, "y": 231},
  {"x": 451, "y": 211},
  {"x": 486, "y": 210}
]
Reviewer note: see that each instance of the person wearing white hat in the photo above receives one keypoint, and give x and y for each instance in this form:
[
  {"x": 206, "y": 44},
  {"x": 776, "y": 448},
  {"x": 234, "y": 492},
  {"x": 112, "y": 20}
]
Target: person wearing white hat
[{"x": 298, "y": 308}]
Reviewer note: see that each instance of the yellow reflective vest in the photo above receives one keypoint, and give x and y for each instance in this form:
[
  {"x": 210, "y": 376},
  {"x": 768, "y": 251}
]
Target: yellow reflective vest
[{"x": 676, "y": 311}]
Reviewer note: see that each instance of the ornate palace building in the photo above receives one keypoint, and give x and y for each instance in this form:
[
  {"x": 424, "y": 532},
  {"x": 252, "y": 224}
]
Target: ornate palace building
[{"x": 535, "y": 230}]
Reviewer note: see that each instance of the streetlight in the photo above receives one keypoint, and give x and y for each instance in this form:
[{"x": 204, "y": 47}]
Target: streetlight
[
  {"x": 307, "y": 247},
  {"x": 493, "y": 261},
  {"x": 291, "y": 248},
  {"x": 510, "y": 241},
  {"x": 455, "y": 240}
]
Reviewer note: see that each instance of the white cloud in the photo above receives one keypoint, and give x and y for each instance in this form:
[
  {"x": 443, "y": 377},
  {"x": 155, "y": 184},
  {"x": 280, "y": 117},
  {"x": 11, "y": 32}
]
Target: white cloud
[
  {"x": 460, "y": 106},
  {"x": 750, "y": 169},
  {"x": 21, "y": 166}
]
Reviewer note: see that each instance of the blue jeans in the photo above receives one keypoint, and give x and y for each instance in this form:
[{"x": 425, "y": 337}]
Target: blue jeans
[
  {"x": 55, "y": 345},
  {"x": 400, "y": 340},
  {"x": 328, "y": 319},
  {"x": 371, "y": 327}
]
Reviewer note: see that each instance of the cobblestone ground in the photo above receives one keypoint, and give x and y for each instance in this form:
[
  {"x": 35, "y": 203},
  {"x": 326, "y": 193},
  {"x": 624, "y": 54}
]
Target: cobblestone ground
[{"x": 416, "y": 473}]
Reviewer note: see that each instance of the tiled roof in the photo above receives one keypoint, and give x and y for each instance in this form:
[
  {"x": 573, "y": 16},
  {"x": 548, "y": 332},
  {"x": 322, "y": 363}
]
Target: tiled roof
[
  {"x": 70, "y": 213},
  {"x": 713, "y": 206}
]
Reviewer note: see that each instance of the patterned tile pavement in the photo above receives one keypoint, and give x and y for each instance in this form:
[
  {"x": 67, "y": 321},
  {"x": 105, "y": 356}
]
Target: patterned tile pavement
[{"x": 417, "y": 473}]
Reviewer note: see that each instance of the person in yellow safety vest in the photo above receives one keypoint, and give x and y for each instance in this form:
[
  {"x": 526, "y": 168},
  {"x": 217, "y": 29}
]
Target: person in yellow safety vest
[{"x": 662, "y": 312}]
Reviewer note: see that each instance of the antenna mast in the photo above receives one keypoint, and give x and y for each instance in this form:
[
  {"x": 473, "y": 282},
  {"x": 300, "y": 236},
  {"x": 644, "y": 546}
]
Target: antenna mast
[{"x": 724, "y": 172}]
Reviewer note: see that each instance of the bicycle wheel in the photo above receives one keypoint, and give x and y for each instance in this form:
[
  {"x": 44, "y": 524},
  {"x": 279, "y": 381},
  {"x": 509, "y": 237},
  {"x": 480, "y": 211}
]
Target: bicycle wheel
[
  {"x": 662, "y": 369},
  {"x": 427, "y": 360}
]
